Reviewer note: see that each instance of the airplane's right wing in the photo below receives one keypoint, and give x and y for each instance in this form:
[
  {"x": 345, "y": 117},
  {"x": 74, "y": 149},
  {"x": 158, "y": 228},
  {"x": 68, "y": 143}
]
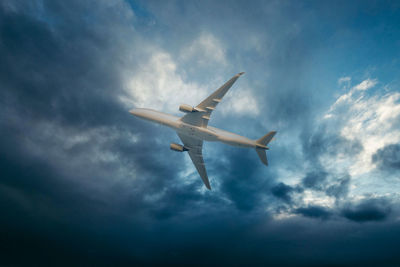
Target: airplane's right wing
[
  {"x": 205, "y": 108},
  {"x": 195, "y": 147}
]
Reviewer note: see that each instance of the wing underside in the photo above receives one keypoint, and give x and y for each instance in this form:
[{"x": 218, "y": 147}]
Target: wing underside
[
  {"x": 195, "y": 147},
  {"x": 205, "y": 108}
]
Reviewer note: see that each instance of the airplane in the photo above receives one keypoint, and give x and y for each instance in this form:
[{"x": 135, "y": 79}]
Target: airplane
[{"x": 193, "y": 129}]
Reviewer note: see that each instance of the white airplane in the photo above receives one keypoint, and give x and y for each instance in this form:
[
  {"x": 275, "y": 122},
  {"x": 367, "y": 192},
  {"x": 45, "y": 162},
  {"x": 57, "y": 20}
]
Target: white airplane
[{"x": 192, "y": 129}]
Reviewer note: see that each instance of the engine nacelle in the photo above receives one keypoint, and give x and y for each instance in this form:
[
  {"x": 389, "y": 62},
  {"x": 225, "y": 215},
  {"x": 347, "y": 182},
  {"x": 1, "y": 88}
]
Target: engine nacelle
[
  {"x": 186, "y": 108},
  {"x": 178, "y": 147}
]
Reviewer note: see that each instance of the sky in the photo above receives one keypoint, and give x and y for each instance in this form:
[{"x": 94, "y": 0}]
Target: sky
[{"x": 85, "y": 183}]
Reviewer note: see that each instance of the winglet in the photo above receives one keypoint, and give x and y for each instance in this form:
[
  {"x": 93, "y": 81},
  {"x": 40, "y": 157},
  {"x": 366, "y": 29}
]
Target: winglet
[{"x": 240, "y": 73}]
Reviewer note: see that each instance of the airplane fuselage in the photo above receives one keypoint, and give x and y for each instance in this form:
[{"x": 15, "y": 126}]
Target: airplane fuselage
[{"x": 210, "y": 133}]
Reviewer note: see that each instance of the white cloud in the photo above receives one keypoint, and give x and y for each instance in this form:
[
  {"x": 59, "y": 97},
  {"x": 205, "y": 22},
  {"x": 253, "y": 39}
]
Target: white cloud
[
  {"x": 346, "y": 98},
  {"x": 319, "y": 198},
  {"x": 205, "y": 50},
  {"x": 240, "y": 101},
  {"x": 158, "y": 85},
  {"x": 366, "y": 84},
  {"x": 371, "y": 120},
  {"x": 344, "y": 80}
]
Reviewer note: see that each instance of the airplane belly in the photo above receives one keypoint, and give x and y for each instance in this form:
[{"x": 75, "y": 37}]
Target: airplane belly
[
  {"x": 197, "y": 132},
  {"x": 236, "y": 142},
  {"x": 207, "y": 136}
]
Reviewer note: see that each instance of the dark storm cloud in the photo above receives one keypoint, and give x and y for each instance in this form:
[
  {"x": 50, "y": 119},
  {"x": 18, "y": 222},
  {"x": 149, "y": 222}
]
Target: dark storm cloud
[
  {"x": 332, "y": 185},
  {"x": 55, "y": 75},
  {"x": 314, "y": 180},
  {"x": 43, "y": 67},
  {"x": 368, "y": 210},
  {"x": 388, "y": 157},
  {"x": 241, "y": 182},
  {"x": 339, "y": 187},
  {"x": 314, "y": 212},
  {"x": 58, "y": 80},
  {"x": 282, "y": 191}
]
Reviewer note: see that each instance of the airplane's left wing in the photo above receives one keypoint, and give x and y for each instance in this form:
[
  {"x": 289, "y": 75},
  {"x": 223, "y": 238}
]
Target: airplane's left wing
[
  {"x": 195, "y": 147},
  {"x": 205, "y": 108}
]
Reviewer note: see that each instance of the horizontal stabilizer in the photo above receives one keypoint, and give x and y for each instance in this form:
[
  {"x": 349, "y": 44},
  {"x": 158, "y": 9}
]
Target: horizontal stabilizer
[
  {"x": 266, "y": 138},
  {"x": 262, "y": 154}
]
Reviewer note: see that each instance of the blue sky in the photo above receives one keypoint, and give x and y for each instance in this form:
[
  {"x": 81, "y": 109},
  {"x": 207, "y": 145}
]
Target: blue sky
[{"x": 88, "y": 183}]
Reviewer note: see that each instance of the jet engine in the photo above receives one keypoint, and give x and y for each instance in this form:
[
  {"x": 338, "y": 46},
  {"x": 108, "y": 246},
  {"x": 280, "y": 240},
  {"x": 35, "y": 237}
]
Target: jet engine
[
  {"x": 178, "y": 147},
  {"x": 186, "y": 108}
]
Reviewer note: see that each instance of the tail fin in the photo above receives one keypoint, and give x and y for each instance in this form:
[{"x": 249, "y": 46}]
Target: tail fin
[{"x": 262, "y": 149}]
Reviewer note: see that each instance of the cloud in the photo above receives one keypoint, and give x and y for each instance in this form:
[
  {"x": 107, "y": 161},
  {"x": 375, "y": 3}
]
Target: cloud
[
  {"x": 82, "y": 180},
  {"x": 314, "y": 180},
  {"x": 157, "y": 85},
  {"x": 314, "y": 212},
  {"x": 368, "y": 120},
  {"x": 349, "y": 144},
  {"x": 241, "y": 102},
  {"x": 366, "y": 84},
  {"x": 346, "y": 79},
  {"x": 160, "y": 84},
  {"x": 206, "y": 49},
  {"x": 240, "y": 181},
  {"x": 387, "y": 157},
  {"x": 282, "y": 191},
  {"x": 347, "y": 98},
  {"x": 368, "y": 210},
  {"x": 339, "y": 187},
  {"x": 326, "y": 181}
]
